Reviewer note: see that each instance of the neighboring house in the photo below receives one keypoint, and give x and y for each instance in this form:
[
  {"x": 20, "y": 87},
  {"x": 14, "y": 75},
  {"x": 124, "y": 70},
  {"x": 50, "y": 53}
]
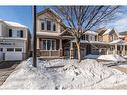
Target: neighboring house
[
  {"x": 14, "y": 41},
  {"x": 116, "y": 44},
  {"x": 55, "y": 41}
]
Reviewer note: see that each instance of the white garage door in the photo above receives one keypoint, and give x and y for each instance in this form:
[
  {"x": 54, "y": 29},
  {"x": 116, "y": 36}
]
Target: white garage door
[{"x": 13, "y": 54}]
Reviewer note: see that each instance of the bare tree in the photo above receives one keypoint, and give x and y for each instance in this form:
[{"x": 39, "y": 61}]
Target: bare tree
[{"x": 83, "y": 18}]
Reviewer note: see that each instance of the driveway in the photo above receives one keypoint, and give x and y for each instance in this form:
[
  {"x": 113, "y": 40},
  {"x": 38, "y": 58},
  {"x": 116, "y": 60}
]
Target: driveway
[{"x": 6, "y": 68}]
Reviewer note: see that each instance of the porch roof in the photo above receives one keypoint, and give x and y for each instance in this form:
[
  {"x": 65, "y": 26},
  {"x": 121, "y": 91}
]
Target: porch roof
[
  {"x": 118, "y": 42},
  {"x": 92, "y": 42}
]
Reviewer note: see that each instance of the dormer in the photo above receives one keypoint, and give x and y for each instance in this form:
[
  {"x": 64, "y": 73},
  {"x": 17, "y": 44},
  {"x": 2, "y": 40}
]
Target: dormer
[{"x": 48, "y": 21}]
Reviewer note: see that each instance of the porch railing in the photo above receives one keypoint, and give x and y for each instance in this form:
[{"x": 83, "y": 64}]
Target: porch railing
[{"x": 49, "y": 53}]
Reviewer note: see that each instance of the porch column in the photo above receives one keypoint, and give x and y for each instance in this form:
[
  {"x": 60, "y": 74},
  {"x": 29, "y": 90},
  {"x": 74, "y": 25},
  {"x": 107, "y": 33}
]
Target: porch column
[
  {"x": 38, "y": 43},
  {"x": 115, "y": 49},
  {"x": 71, "y": 50},
  {"x": 123, "y": 51},
  {"x": 108, "y": 50},
  {"x": 38, "y": 47},
  {"x": 61, "y": 49}
]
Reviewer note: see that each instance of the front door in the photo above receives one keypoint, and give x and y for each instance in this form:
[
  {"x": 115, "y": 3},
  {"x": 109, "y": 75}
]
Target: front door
[
  {"x": 88, "y": 49},
  {"x": 67, "y": 52}
]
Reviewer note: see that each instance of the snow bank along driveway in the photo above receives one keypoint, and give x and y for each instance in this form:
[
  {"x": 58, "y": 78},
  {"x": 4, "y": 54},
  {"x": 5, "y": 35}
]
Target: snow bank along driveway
[
  {"x": 115, "y": 58},
  {"x": 64, "y": 74}
]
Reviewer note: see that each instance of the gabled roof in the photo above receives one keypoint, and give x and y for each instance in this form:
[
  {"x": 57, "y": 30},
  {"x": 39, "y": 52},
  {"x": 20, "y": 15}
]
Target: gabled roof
[
  {"x": 101, "y": 31},
  {"x": 13, "y": 24},
  {"x": 49, "y": 10},
  {"x": 52, "y": 12},
  {"x": 109, "y": 31},
  {"x": 118, "y": 42}
]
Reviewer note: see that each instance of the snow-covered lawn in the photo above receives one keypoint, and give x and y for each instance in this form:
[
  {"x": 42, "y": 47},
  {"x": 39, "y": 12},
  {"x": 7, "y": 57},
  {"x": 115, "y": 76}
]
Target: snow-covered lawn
[
  {"x": 64, "y": 74},
  {"x": 115, "y": 58}
]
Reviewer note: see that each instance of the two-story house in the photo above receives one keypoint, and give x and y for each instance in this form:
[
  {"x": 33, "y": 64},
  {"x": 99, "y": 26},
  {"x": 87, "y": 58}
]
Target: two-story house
[
  {"x": 116, "y": 44},
  {"x": 14, "y": 41},
  {"x": 53, "y": 39}
]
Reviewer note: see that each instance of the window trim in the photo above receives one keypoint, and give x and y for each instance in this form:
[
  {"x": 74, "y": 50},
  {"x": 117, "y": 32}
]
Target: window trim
[{"x": 45, "y": 25}]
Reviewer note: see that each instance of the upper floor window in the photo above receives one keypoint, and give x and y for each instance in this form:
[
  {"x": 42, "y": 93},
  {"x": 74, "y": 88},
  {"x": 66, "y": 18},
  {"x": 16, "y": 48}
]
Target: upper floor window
[
  {"x": 15, "y": 33},
  {"x": 10, "y": 32},
  {"x": 48, "y": 25},
  {"x": 87, "y": 37},
  {"x": 42, "y": 25},
  {"x": 54, "y": 27},
  {"x": 83, "y": 37}
]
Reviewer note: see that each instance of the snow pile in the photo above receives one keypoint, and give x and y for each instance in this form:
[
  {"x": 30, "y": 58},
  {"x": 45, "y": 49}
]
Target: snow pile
[
  {"x": 116, "y": 58},
  {"x": 89, "y": 74},
  {"x": 90, "y": 56}
]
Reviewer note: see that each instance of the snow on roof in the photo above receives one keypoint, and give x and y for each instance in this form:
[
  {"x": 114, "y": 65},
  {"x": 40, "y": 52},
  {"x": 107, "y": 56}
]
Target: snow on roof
[
  {"x": 107, "y": 31},
  {"x": 121, "y": 36},
  {"x": 91, "y": 32},
  {"x": 119, "y": 41},
  {"x": 98, "y": 42},
  {"x": 15, "y": 24},
  {"x": 93, "y": 42}
]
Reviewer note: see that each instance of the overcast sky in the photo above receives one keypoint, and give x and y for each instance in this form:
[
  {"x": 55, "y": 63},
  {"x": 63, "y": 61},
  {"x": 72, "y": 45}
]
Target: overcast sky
[{"x": 23, "y": 15}]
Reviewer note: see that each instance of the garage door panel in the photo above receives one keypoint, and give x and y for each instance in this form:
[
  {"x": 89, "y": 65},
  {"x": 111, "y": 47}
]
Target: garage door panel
[{"x": 13, "y": 56}]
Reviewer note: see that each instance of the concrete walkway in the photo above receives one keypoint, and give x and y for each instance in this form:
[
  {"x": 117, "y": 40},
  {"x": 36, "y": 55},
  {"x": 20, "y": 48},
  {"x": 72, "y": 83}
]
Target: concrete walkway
[{"x": 6, "y": 68}]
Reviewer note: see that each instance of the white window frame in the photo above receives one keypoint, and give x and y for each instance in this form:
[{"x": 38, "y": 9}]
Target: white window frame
[
  {"x": 50, "y": 45},
  {"x": 15, "y": 33},
  {"x": 45, "y": 25},
  {"x": 43, "y": 21}
]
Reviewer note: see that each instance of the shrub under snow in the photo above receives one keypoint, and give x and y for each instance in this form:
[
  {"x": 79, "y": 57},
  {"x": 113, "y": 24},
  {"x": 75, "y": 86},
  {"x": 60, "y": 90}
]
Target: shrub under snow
[{"x": 64, "y": 74}]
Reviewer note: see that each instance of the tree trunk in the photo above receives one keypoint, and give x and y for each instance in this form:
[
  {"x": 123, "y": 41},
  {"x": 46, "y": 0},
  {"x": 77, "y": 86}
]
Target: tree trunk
[{"x": 79, "y": 52}]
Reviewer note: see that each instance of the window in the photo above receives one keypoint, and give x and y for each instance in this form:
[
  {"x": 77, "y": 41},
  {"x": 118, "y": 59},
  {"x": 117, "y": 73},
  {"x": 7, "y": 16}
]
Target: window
[
  {"x": 42, "y": 25},
  {"x": 10, "y": 49},
  {"x": 48, "y": 25},
  {"x": 48, "y": 44},
  {"x": 44, "y": 45},
  {"x": 10, "y": 32},
  {"x": 54, "y": 27},
  {"x": 83, "y": 37},
  {"x": 87, "y": 37},
  {"x": 18, "y": 49},
  {"x": 1, "y": 49},
  {"x": 21, "y": 33},
  {"x": 15, "y": 33}
]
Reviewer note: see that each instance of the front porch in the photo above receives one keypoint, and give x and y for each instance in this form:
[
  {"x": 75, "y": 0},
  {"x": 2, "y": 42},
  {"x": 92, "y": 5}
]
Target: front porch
[
  {"x": 53, "y": 48},
  {"x": 118, "y": 47}
]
